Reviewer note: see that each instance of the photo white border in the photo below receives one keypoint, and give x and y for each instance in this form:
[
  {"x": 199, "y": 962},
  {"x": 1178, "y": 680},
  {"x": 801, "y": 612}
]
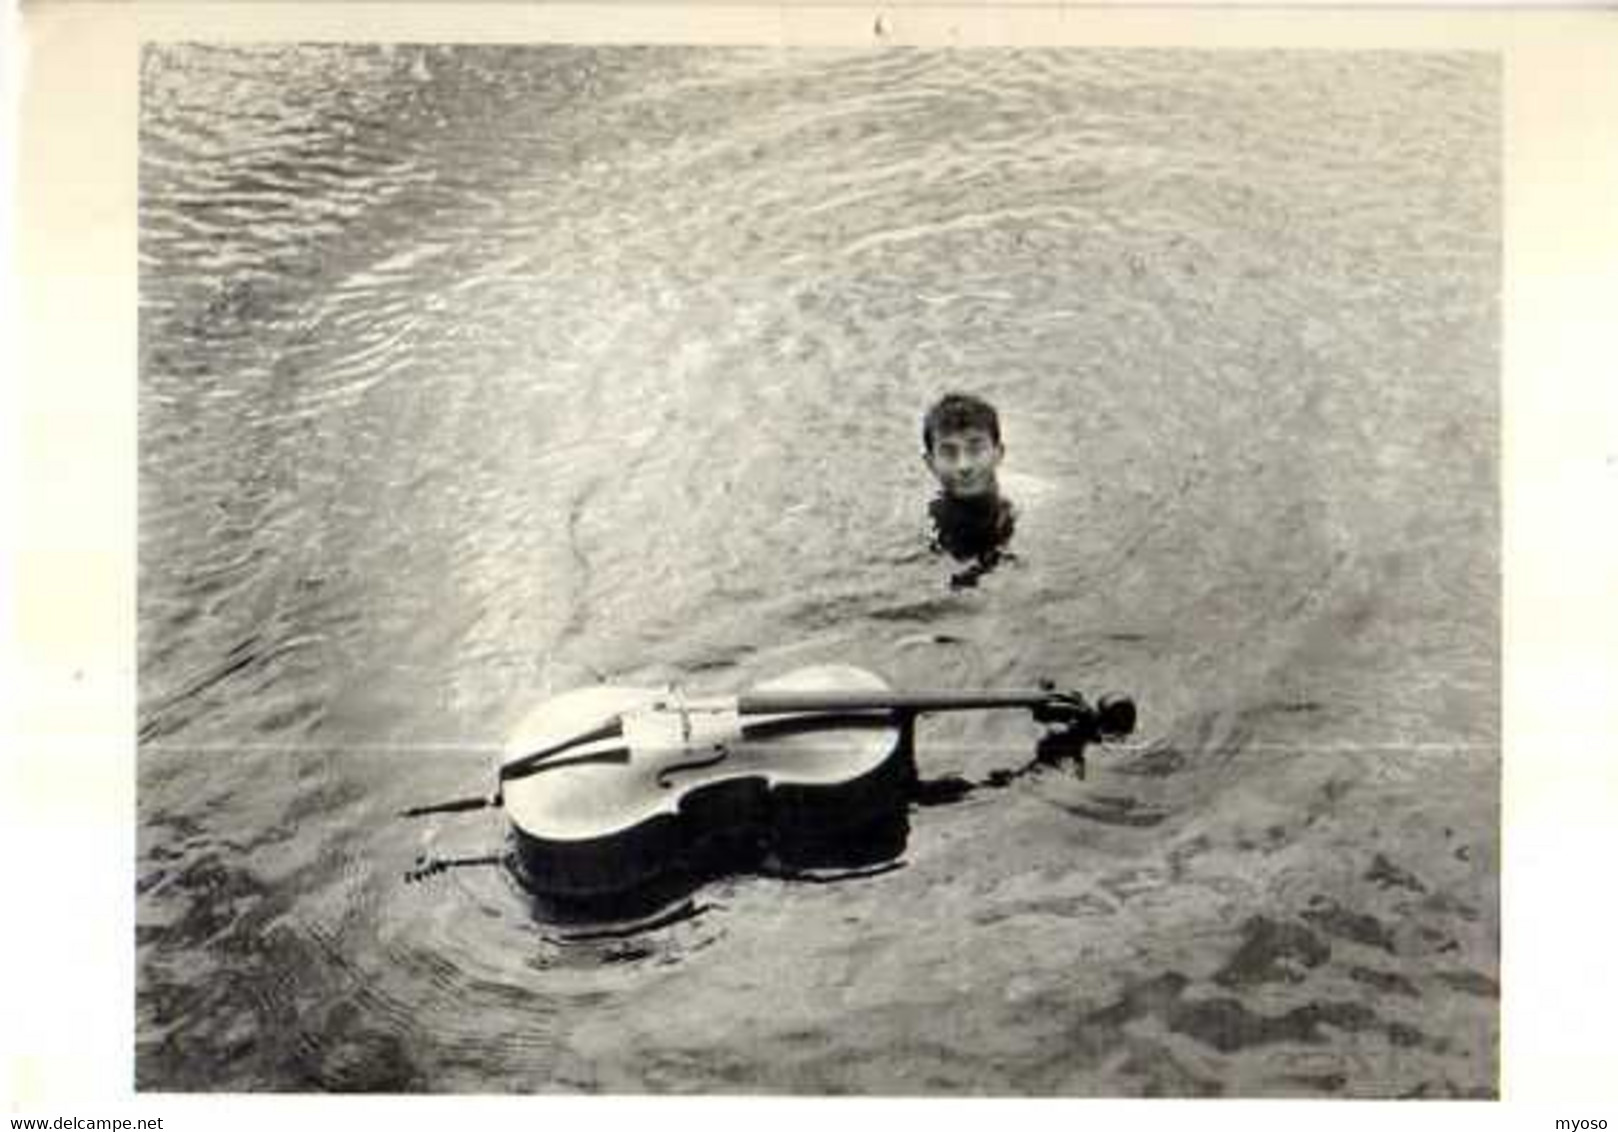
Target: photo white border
[{"x": 69, "y": 439}]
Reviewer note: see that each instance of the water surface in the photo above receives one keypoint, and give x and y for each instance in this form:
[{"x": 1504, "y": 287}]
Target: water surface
[{"x": 469, "y": 374}]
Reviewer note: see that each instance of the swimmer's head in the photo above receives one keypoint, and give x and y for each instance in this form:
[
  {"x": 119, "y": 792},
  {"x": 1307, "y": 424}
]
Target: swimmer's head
[{"x": 961, "y": 439}]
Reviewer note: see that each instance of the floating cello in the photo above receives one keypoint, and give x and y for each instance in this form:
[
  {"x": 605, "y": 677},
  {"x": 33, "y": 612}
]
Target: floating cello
[{"x": 608, "y": 788}]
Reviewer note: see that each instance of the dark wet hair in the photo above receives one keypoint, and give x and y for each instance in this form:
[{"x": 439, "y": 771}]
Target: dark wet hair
[{"x": 957, "y": 412}]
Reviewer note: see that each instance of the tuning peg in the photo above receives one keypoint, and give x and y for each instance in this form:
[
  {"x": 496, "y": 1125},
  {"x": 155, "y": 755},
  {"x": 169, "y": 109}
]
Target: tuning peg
[{"x": 1115, "y": 716}]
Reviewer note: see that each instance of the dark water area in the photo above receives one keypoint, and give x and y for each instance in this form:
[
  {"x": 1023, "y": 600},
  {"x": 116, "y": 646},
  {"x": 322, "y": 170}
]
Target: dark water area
[{"x": 472, "y": 374}]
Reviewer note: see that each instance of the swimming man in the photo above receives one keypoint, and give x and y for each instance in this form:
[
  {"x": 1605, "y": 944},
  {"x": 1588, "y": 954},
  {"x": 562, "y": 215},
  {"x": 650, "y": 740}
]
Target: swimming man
[{"x": 972, "y": 521}]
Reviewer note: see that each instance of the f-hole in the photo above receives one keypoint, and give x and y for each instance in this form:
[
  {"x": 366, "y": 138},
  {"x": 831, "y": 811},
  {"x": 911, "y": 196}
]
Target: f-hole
[{"x": 716, "y": 755}]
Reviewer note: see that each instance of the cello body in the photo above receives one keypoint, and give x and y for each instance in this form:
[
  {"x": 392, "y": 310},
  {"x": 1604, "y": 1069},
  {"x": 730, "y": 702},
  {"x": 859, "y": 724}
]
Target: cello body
[{"x": 677, "y": 784}]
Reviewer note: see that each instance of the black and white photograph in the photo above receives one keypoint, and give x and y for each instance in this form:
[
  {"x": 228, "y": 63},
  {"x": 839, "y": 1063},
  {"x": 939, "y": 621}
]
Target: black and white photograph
[{"x": 891, "y": 571}]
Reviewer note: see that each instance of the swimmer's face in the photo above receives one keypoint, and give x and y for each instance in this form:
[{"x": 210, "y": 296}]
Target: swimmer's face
[{"x": 965, "y": 462}]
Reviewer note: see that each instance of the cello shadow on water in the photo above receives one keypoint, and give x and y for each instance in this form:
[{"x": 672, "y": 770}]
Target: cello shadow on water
[
  {"x": 669, "y": 897},
  {"x": 766, "y": 847}
]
